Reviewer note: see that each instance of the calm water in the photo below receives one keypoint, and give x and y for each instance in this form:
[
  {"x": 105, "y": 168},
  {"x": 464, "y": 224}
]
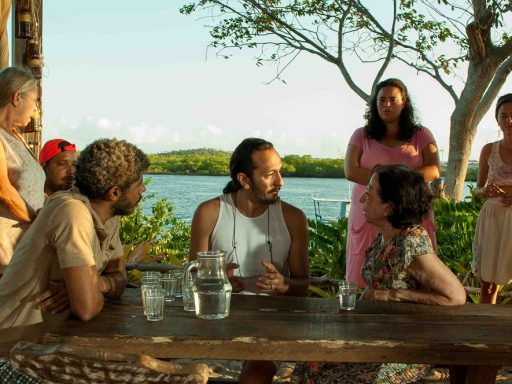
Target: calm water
[{"x": 186, "y": 192}]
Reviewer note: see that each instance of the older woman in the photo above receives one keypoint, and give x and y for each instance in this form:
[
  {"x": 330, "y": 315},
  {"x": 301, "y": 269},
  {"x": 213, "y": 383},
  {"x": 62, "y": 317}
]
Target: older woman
[
  {"x": 391, "y": 135},
  {"x": 400, "y": 265},
  {"x": 21, "y": 176}
]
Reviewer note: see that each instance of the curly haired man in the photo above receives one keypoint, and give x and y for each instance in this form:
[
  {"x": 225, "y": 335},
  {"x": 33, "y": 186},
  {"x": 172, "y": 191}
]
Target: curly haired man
[{"x": 71, "y": 256}]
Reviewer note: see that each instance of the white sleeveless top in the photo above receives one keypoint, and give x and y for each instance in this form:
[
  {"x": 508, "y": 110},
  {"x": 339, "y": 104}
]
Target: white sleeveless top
[
  {"x": 27, "y": 176},
  {"x": 499, "y": 172},
  {"x": 244, "y": 239}
]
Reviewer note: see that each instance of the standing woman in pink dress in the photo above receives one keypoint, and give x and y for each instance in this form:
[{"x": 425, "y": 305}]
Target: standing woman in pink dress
[
  {"x": 492, "y": 245},
  {"x": 391, "y": 136},
  {"x": 21, "y": 176}
]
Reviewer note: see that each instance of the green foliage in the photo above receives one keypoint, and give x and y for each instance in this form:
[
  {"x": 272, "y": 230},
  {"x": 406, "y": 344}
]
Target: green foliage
[
  {"x": 456, "y": 222},
  {"x": 216, "y": 163},
  {"x": 327, "y": 244},
  {"x": 191, "y": 162},
  {"x": 307, "y": 166},
  {"x": 423, "y": 32},
  {"x": 168, "y": 235}
]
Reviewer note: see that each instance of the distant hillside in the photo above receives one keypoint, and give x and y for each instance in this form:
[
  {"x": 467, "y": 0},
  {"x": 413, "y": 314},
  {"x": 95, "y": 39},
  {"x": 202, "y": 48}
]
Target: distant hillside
[
  {"x": 214, "y": 162},
  {"x": 198, "y": 151}
]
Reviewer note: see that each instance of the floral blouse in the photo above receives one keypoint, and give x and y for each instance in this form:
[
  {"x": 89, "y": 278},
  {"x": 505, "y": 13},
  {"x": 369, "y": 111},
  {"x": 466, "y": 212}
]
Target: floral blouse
[
  {"x": 386, "y": 264},
  {"x": 385, "y": 268}
]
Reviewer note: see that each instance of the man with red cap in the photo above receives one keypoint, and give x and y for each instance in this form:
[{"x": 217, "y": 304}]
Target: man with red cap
[{"x": 58, "y": 159}]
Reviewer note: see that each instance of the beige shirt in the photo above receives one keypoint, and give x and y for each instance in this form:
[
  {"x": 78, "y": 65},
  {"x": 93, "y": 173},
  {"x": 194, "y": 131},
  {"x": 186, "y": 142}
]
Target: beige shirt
[
  {"x": 27, "y": 176},
  {"x": 66, "y": 233}
]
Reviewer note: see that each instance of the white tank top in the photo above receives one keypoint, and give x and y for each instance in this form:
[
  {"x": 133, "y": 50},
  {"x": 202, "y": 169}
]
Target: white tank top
[{"x": 244, "y": 239}]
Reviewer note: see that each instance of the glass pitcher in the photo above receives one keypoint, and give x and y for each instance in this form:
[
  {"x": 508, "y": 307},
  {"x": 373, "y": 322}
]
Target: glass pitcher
[{"x": 211, "y": 286}]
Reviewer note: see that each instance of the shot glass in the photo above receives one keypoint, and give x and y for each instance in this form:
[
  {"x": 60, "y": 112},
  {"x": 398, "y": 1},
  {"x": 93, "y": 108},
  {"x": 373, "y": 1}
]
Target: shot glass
[
  {"x": 179, "y": 282},
  {"x": 149, "y": 282},
  {"x": 348, "y": 293},
  {"x": 169, "y": 282},
  {"x": 154, "y": 304},
  {"x": 188, "y": 296}
]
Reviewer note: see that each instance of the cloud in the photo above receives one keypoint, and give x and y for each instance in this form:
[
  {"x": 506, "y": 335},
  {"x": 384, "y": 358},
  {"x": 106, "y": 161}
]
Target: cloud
[
  {"x": 214, "y": 129},
  {"x": 155, "y": 138},
  {"x": 90, "y": 128}
]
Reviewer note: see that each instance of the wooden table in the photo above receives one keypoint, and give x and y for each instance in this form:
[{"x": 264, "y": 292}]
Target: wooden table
[{"x": 304, "y": 329}]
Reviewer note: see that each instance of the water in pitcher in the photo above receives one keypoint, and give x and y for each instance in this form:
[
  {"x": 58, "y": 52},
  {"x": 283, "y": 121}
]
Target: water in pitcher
[{"x": 212, "y": 299}]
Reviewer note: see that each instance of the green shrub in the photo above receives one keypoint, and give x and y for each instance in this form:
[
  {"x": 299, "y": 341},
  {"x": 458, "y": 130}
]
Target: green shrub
[
  {"x": 327, "y": 243},
  {"x": 455, "y": 223},
  {"x": 168, "y": 235}
]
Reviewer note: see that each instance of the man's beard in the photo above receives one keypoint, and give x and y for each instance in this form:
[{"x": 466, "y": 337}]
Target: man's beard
[
  {"x": 124, "y": 208},
  {"x": 266, "y": 198},
  {"x": 65, "y": 185}
]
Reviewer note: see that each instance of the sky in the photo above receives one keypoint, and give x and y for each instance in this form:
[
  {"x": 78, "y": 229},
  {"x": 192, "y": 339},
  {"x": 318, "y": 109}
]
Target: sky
[{"x": 141, "y": 71}]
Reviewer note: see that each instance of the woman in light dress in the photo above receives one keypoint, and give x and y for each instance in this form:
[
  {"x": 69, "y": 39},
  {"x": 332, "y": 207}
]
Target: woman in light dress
[
  {"x": 21, "y": 176},
  {"x": 492, "y": 245}
]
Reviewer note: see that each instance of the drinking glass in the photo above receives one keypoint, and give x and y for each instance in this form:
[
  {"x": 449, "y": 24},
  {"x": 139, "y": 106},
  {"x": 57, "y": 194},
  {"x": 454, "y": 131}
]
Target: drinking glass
[
  {"x": 154, "y": 303},
  {"x": 188, "y": 294},
  {"x": 169, "y": 286},
  {"x": 348, "y": 292},
  {"x": 152, "y": 281},
  {"x": 179, "y": 281}
]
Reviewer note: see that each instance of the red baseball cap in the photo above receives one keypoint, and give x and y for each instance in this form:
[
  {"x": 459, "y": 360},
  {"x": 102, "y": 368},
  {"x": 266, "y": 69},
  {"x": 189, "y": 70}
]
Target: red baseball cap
[{"x": 52, "y": 147}]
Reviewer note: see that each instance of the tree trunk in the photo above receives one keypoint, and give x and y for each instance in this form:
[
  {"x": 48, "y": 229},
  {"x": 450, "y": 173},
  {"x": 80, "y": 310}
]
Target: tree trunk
[
  {"x": 462, "y": 132},
  {"x": 464, "y": 122}
]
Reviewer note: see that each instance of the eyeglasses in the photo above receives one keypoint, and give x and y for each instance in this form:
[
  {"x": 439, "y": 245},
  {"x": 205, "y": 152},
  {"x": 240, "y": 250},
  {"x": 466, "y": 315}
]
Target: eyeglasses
[{"x": 34, "y": 100}]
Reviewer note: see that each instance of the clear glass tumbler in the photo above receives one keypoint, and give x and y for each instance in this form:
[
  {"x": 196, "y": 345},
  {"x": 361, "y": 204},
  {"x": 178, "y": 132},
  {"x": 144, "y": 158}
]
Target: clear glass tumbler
[
  {"x": 348, "y": 293},
  {"x": 154, "y": 304},
  {"x": 169, "y": 283}
]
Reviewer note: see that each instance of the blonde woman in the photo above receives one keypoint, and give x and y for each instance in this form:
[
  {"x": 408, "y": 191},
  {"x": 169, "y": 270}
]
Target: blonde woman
[{"x": 21, "y": 176}]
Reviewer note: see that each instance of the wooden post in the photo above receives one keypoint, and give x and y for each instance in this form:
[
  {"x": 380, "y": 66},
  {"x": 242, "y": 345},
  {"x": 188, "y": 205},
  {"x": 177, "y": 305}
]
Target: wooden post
[{"x": 28, "y": 53}]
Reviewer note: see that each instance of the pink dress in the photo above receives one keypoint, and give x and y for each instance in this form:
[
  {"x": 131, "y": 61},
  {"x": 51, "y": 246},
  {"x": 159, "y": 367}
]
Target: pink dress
[{"x": 360, "y": 233}]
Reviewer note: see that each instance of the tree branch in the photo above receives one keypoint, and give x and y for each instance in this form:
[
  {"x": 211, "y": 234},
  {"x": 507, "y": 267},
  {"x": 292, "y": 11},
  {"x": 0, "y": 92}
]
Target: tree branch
[
  {"x": 341, "y": 64},
  {"x": 435, "y": 75},
  {"x": 318, "y": 50},
  {"x": 493, "y": 89},
  {"x": 389, "y": 54}
]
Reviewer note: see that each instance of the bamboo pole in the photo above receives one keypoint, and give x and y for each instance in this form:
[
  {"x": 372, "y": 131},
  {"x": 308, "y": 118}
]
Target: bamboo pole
[{"x": 22, "y": 49}]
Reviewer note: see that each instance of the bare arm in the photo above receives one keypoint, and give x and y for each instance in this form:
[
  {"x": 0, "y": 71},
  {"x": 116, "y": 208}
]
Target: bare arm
[
  {"x": 112, "y": 284},
  {"x": 430, "y": 167},
  {"x": 439, "y": 285},
  {"x": 113, "y": 279},
  {"x": 297, "y": 283},
  {"x": 353, "y": 171},
  {"x": 9, "y": 196},
  {"x": 84, "y": 291},
  {"x": 203, "y": 222}
]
